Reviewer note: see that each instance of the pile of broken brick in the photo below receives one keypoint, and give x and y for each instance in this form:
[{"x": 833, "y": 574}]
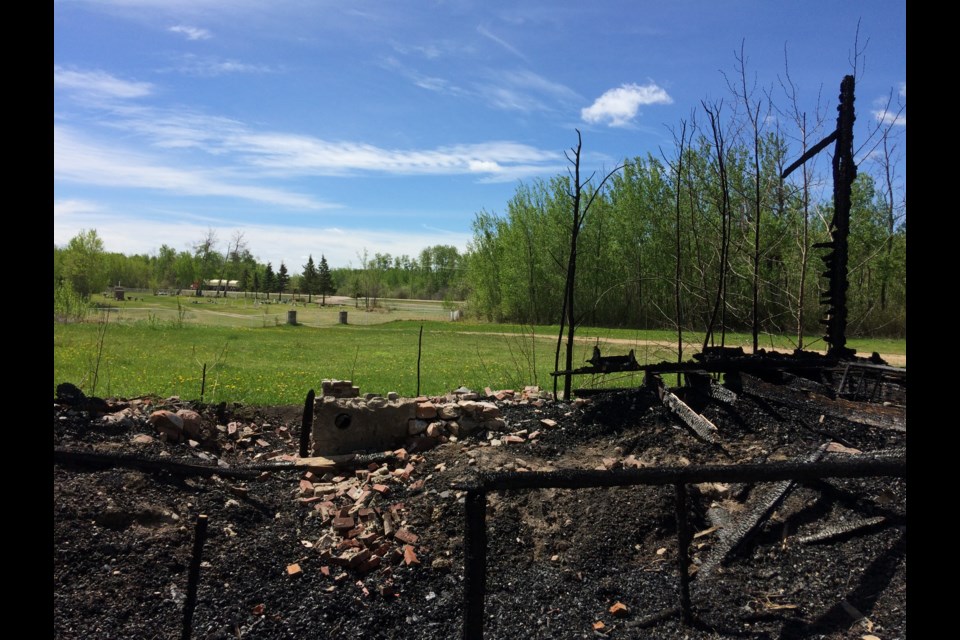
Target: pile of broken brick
[{"x": 363, "y": 529}]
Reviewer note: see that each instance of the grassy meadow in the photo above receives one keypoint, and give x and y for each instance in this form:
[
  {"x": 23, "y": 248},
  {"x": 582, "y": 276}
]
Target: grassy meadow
[{"x": 159, "y": 344}]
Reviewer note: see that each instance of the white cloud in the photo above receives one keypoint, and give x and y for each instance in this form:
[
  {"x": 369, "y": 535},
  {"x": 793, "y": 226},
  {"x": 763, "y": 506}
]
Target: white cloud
[
  {"x": 192, "y": 33},
  {"x": 210, "y": 66},
  {"x": 503, "y": 43},
  {"x": 309, "y": 155},
  {"x": 80, "y": 160},
  {"x": 98, "y": 83},
  {"x": 903, "y": 89},
  {"x": 617, "y": 107},
  {"x": 523, "y": 90},
  {"x": 73, "y": 207},
  {"x": 889, "y": 117}
]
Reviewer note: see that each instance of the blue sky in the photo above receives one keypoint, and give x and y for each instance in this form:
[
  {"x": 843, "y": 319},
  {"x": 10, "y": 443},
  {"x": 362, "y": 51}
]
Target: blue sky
[{"x": 321, "y": 127}]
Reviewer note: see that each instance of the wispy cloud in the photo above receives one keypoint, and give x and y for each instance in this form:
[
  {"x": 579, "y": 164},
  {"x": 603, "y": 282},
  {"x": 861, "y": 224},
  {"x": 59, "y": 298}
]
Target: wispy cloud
[
  {"x": 78, "y": 159},
  {"x": 210, "y": 66},
  {"x": 298, "y": 154},
  {"x": 503, "y": 43},
  {"x": 73, "y": 207},
  {"x": 98, "y": 84},
  {"x": 618, "y": 107},
  {"x": 523, "y": 90},
  {"x": 192, "y": 33}
]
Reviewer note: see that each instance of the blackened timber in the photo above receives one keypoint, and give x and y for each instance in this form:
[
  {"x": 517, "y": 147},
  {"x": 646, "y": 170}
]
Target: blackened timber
[
  {"x": 701, "y": 427},
  {"x": 193, "y": 579},
  {"x": 757, "y": 510},
  {"x": 306, "y": 423},
  {"x": 683, "y": 556},
  {"x": 867, "y": 413},
  {"x": 107, "y": 460},
  {"x": 475, "y": 563},
  {"x": 812, "y": 151},
  {"x": 475, "y": 534},
  {"x": 828, "y": 533},
  {"x": 862, "y": 466},
  {"x": 844, "y": 172}
]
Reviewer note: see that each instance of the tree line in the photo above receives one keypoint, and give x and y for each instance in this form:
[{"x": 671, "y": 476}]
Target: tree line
[
  {"x": 706, "y": 238},
  {"x": 85, "y": 268}
]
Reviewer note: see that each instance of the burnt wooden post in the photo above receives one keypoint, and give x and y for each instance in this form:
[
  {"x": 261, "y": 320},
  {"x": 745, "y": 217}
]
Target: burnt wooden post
[
  {"x": 844, "y": 172},
  {"x": 306, "y": 424},
  {"x": 475, "y": 563},
  {"x": 194, "y": 576},
  {"x": 419, "y": 352},
  {"x": 683, "y": 557}
]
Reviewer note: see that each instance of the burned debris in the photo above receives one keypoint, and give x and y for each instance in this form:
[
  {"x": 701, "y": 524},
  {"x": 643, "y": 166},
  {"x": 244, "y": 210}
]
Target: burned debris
[{"x": 763, "y": 495}]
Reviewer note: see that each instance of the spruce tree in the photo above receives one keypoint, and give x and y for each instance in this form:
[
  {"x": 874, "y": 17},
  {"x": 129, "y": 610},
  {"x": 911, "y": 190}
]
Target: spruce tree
[
  {"x": 324, "y": 281},
  {"x": 310, "y": 278}
]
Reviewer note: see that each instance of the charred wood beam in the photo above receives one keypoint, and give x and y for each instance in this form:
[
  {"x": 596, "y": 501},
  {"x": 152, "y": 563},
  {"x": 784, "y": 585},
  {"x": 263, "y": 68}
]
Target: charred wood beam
[
  {"x": 861, "y": 466},
  {"x": 107, "y": 460},
  {"x": 475, "y": 534},
  {"x": 306, "y": 424},
  {"x": 475, "y": 563},
  {"x": 757, "y": 511},
  {"x": 193, "y": 578},
  {"x": 870, "y": 414},
  {"x": 704, "y": 384},
  {"x": 700, "y": 426},
  {"x": 812, "y": 151},
  {"x": 835, "y": 531}
]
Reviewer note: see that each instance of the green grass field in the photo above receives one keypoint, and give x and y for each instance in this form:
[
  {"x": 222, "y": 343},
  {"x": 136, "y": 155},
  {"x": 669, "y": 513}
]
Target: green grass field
[{"x": 151, "y": 346}]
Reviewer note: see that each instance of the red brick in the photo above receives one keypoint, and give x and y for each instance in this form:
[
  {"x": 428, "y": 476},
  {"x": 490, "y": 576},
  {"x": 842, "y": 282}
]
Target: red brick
[
  {"x": 547, "y": 422},
  {"x": 325, "y": 570},
  {"x": 619, "y": 609},
  {"x": 294, "y": 569},
  {"x": 401, "y": 454},
  {"x": 381, "y": 488},
  {"x": 370, "y": 564},
  {"x": 409, "y": 556},
  {"x": 426, "y": 411},
  {"x": 533, "y": 436},
  {"x": 344, "y": 523},
  {"x": 368, "y": 537},
  {"x": 405, "y": 535}
]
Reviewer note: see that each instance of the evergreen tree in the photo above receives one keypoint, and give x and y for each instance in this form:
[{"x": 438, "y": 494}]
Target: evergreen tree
[
  {"x": 309, "y": 278},
  {"x": 269, "y": 280},
  {"x": 256, "y": 284},
  {"x": 324, "y": 281},
  {"x": 283, "y": 278}
]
